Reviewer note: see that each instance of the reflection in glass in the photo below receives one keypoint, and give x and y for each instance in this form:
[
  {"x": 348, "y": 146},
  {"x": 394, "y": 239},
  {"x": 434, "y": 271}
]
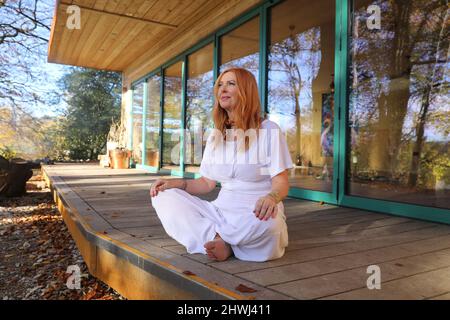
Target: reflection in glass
[
  {"x": 399, "y": 102},
  {"x": 172, "y": 116},
  {"x": 153, "y": 121},
  {"x": 240, "y": 48},
  {"x": 199, "y": 103},
  {"x": 301, "y": 87},
  {"x": 137, "y": 108}
]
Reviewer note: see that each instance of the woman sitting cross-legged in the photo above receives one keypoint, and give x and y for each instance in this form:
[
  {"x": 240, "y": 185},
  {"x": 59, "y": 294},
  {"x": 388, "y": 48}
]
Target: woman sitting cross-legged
[{"x": 247, "y": 219}]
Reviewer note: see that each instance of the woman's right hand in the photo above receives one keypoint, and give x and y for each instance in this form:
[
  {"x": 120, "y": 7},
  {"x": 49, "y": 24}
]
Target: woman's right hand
[{"x": 161, "y": 185}]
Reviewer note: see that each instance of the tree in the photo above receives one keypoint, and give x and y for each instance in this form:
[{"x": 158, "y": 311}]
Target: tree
[
  {"x": 386, "y": 75},
  {"x": 399, "y": 88},
  {"x": 199, "y": 105},
  {"x": 429, "y": 83},
  {"x": 24, "y": 136},
  {"x": 93, "y": 99},
  {"x": 294, "y": 63},
  {"x": 24, "y": 34}
]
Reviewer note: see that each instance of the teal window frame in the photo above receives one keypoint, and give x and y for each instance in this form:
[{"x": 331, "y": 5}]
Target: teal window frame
[{"x": 338, "y": 195}]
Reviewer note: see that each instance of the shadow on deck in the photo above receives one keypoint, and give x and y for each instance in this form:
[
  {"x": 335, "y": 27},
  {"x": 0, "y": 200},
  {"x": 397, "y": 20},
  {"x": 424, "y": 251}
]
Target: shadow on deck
[{"x": 109, "y": 215}]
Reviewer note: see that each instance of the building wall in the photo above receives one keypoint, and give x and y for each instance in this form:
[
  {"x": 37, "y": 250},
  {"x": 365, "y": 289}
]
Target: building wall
[{"x": 396, "y": 146}]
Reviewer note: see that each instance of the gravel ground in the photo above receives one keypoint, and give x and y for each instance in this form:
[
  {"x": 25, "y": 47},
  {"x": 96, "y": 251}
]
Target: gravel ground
[{"x": 36, "y": 250}]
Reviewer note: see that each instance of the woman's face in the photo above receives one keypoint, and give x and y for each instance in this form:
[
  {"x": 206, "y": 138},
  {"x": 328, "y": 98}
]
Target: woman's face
[{"x": 228, "y": 91}]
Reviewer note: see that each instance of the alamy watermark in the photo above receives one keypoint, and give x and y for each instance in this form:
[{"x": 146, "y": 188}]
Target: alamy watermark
[
  {"x": 74, "y": 17},
  {"x": 74, "y": 280},
  {"x": 373, "y": 22},
  {"x": 264, "y": 147},
  {"x": 374, "y": 280}
]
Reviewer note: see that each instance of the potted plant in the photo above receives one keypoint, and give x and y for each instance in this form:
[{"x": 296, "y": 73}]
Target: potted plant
[{"x": 118, "y": 154}]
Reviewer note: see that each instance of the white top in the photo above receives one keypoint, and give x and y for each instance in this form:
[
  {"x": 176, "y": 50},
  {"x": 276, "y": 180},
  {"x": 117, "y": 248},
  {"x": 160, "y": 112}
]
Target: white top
[{"x": 248, "y": 172}]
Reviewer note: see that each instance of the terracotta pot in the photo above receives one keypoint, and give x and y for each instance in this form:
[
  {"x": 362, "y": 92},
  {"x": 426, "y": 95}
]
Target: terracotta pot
[
  {"x": 152, "y": 158},
  {"x": 120, "y": 159}
]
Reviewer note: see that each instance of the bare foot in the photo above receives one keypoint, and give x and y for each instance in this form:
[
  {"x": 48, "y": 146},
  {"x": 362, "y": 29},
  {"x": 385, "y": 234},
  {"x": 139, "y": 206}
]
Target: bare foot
[{"x": 218, "y": 249}]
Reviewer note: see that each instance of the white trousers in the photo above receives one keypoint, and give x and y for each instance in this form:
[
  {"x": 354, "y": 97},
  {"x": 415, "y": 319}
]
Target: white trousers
[{"x": 193, "y": 221}]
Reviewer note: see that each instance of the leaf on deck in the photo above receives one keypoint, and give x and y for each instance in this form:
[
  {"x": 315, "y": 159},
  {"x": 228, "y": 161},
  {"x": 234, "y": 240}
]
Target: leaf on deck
[{"x": 243, "y": 288}]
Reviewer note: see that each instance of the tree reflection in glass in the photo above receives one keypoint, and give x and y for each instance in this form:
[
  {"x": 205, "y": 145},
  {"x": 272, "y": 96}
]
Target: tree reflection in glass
[
  {"x": 137, "y": 108},
  {"x": 301, "y": 87},
  {"x": 399, "y": 102},
  {"x": 199, "y": 104},
  {"x": 172, "y": 116},
  {"x": 153, "y": 121},
  {"x": 240, "y": 48}
]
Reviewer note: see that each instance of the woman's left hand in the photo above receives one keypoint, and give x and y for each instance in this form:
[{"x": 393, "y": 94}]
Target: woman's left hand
[{"x": 265, "y": 208}]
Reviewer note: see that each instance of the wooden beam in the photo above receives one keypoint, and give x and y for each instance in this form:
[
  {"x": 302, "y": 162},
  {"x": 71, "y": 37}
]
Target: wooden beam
[{"x": 153, "y": 22}]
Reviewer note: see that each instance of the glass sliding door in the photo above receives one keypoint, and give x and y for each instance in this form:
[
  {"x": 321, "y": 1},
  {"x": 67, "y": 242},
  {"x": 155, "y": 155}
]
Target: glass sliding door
[
  {"x": 137, "y": 109},
  {"x": 172, "y": 117},
  {"x": 399, "y": 106},
  {"x": 199, "y": 105},
  {"x": 240, "y": 48},
  {"x": 153, "y": 118},
  {"x": 301, "y": 87}
]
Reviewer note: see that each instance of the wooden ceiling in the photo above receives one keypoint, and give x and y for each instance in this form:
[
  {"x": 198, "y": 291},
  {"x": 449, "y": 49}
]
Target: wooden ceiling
[{"x": 114, "y": 34}]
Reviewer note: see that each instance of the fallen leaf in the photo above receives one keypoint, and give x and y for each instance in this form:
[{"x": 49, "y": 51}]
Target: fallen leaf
[
  {"x": 89, "y": 295},
  {"x": 243, "y": 288},
  {"x": 189, "y": 273}
]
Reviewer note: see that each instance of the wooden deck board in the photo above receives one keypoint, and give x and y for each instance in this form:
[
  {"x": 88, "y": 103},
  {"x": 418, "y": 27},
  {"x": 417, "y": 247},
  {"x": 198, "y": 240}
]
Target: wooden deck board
[
  {"x": 176, "y": 260},
  {"x": 145, "y": 232},
  {"x": 162, "y": 242},
  {"x": 295, "y": 256},
  {"x": 329, "y": 247},
  {"x": 309, "y": 269},
  {"x": 419, "y": 286},
  {"x": 328, "y": 285},
  {"x": 445, "y": 296}
]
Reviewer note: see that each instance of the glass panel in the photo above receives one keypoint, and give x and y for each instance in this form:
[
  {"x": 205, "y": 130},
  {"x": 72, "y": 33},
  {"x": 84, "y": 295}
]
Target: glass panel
[
  {"x": 172, "y": 116},
  {"x": 153, "y": 121},
  {"x": 240, "y": 48},
  {"x": 199, "y": 104},
  {"x": 137, "y": 109},
  {"x": 399, "y": 103},
  {"x": 301, "y": 87}
]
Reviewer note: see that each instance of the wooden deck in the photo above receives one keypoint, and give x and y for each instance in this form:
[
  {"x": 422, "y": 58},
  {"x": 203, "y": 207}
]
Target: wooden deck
[{"x": 108, "y": 213}]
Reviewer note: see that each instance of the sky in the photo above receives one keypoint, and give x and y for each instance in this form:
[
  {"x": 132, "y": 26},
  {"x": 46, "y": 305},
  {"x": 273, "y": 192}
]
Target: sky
[
  {"x": 54, "y": 72},
  {"x": 46, "y": 75}
]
